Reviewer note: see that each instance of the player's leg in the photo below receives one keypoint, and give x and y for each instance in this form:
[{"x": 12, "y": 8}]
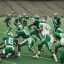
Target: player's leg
[
  {"x": 8, "y": 27},
  {"x": 30, "y": 44},
  {"x": 52, "y": 52},
  {"x": 58, "y": 45},
  {"x": 10, "y": 49},
  {"x": 49, "y": 43},
  {"x": 62, "y": 62},
  {"x": 19, "y": 50},
  {"x": 23, "y": 43},
  {"x": 1, "y": 52},
  {"x": 39, "y": 48},
  {"x": 62, "y": 58}
]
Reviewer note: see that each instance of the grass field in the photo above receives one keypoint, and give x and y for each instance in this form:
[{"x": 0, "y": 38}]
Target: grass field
[{"x": 26, "y": 56}]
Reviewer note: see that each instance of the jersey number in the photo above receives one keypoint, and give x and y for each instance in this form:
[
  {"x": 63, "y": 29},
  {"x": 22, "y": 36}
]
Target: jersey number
[{"x": 10, "y": 41}]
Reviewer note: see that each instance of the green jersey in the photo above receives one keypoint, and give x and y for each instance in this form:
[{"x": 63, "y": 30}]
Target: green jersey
[
  {"x": 36, "y": 23},
  {"x": 59, "y": 35},
  {"x": 56, "y": 19},
  {"x": 9, "y": 40},
  {"x": 8, "y": 19},
  {"x": 16, "y": 20},
  {"x": 23, "y": 33},
  {"x": 25, "y": 18}
]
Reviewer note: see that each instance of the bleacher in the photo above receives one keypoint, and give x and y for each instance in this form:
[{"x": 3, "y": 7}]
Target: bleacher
[{"x": 32, "y": 8}]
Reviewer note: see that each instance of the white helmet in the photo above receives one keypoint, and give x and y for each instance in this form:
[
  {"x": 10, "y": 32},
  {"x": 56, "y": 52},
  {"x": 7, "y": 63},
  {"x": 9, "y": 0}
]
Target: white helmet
[
  {"x": 10, "y": 34},
  {"x": 24, "y": 14},
  {"x": 9, "y": 14},
  {"x": 43, "y": 21},
  {"x": 19, "y": 15},
  {"x": 55, "y": 13}
]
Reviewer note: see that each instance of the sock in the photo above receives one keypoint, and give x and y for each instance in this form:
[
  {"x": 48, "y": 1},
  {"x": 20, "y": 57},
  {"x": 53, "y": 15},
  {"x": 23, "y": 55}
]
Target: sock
[
  {"x": 38, "y": 52},
  {"x": 55, "y": 57},
  {"x": 18, "y": 52}
]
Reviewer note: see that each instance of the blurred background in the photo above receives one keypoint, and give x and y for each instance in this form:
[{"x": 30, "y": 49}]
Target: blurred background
[{"x": 32, "y": 7}]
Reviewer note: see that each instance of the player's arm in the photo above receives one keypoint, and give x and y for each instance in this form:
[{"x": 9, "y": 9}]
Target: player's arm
[
  {"x": 18, "y": 45},
  {"x": 39, "y": 29},
  {"x": 2, "y": 43},
  {"x": 16, "y": 42},
  {"x": 16, "y": 36},
  {"x": 31, "y": 25},
  {"x": 2, "y": 47}
]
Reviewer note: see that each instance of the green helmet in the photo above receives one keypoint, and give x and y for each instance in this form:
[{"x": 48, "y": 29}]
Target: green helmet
[
  {"x": 59, "y": 30},
  {"x": 58, "y": 18},
  {"x": 36, "y": 17}
]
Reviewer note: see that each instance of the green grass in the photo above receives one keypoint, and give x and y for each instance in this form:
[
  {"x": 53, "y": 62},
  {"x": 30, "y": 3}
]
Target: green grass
[{"x": 26, "y": 57}]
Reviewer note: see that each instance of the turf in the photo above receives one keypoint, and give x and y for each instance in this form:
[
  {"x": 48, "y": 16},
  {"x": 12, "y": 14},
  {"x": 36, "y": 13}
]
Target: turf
[{"x": 26, "y": 56}]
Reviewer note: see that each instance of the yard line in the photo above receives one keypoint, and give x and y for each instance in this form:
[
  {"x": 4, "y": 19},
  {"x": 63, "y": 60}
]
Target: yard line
[
  {"x": 8, "y": 62},
  {"x": 39, "y": 57}
]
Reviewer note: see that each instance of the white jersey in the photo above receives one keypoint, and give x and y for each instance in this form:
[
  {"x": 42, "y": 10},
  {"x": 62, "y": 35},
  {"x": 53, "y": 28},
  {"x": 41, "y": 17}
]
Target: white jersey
[{"x": 46, "y": 28}]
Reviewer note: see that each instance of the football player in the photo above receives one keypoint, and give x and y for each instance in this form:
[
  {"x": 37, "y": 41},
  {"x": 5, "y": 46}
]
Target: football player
[
  {"x": 28, "y": 40},
  {"x": 9, "y": 45},
  {"x": 8, "y": 21},
  {"x": 47, "y": 39}
]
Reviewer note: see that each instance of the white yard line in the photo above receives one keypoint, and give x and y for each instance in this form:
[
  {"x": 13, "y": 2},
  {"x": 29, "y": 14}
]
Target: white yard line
[
  {"x": 27, "y": 56},
  {"x": 39, "y": 57},
  {"x": 8, "y": 62}
]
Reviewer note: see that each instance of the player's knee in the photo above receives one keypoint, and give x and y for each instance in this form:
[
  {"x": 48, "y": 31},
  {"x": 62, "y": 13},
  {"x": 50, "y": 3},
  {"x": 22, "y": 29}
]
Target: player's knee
[
  {"x": 29, "y": 48},
  {"x": 39, "y": 45},
  {"x": 56, "y": 47}
]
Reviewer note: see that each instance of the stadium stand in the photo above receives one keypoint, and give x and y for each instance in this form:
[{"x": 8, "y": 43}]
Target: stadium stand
[
  {"x": 4, "y": 9},
  {"x": 30, "y": 8},
  {"x": 41, "y": 8},
  {"x": 54, "y": 7}
]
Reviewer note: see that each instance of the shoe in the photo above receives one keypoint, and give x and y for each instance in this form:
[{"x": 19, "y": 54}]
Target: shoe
[
  {"x": 36, "y": 56},
  {"x": 18, "y": 55}
]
